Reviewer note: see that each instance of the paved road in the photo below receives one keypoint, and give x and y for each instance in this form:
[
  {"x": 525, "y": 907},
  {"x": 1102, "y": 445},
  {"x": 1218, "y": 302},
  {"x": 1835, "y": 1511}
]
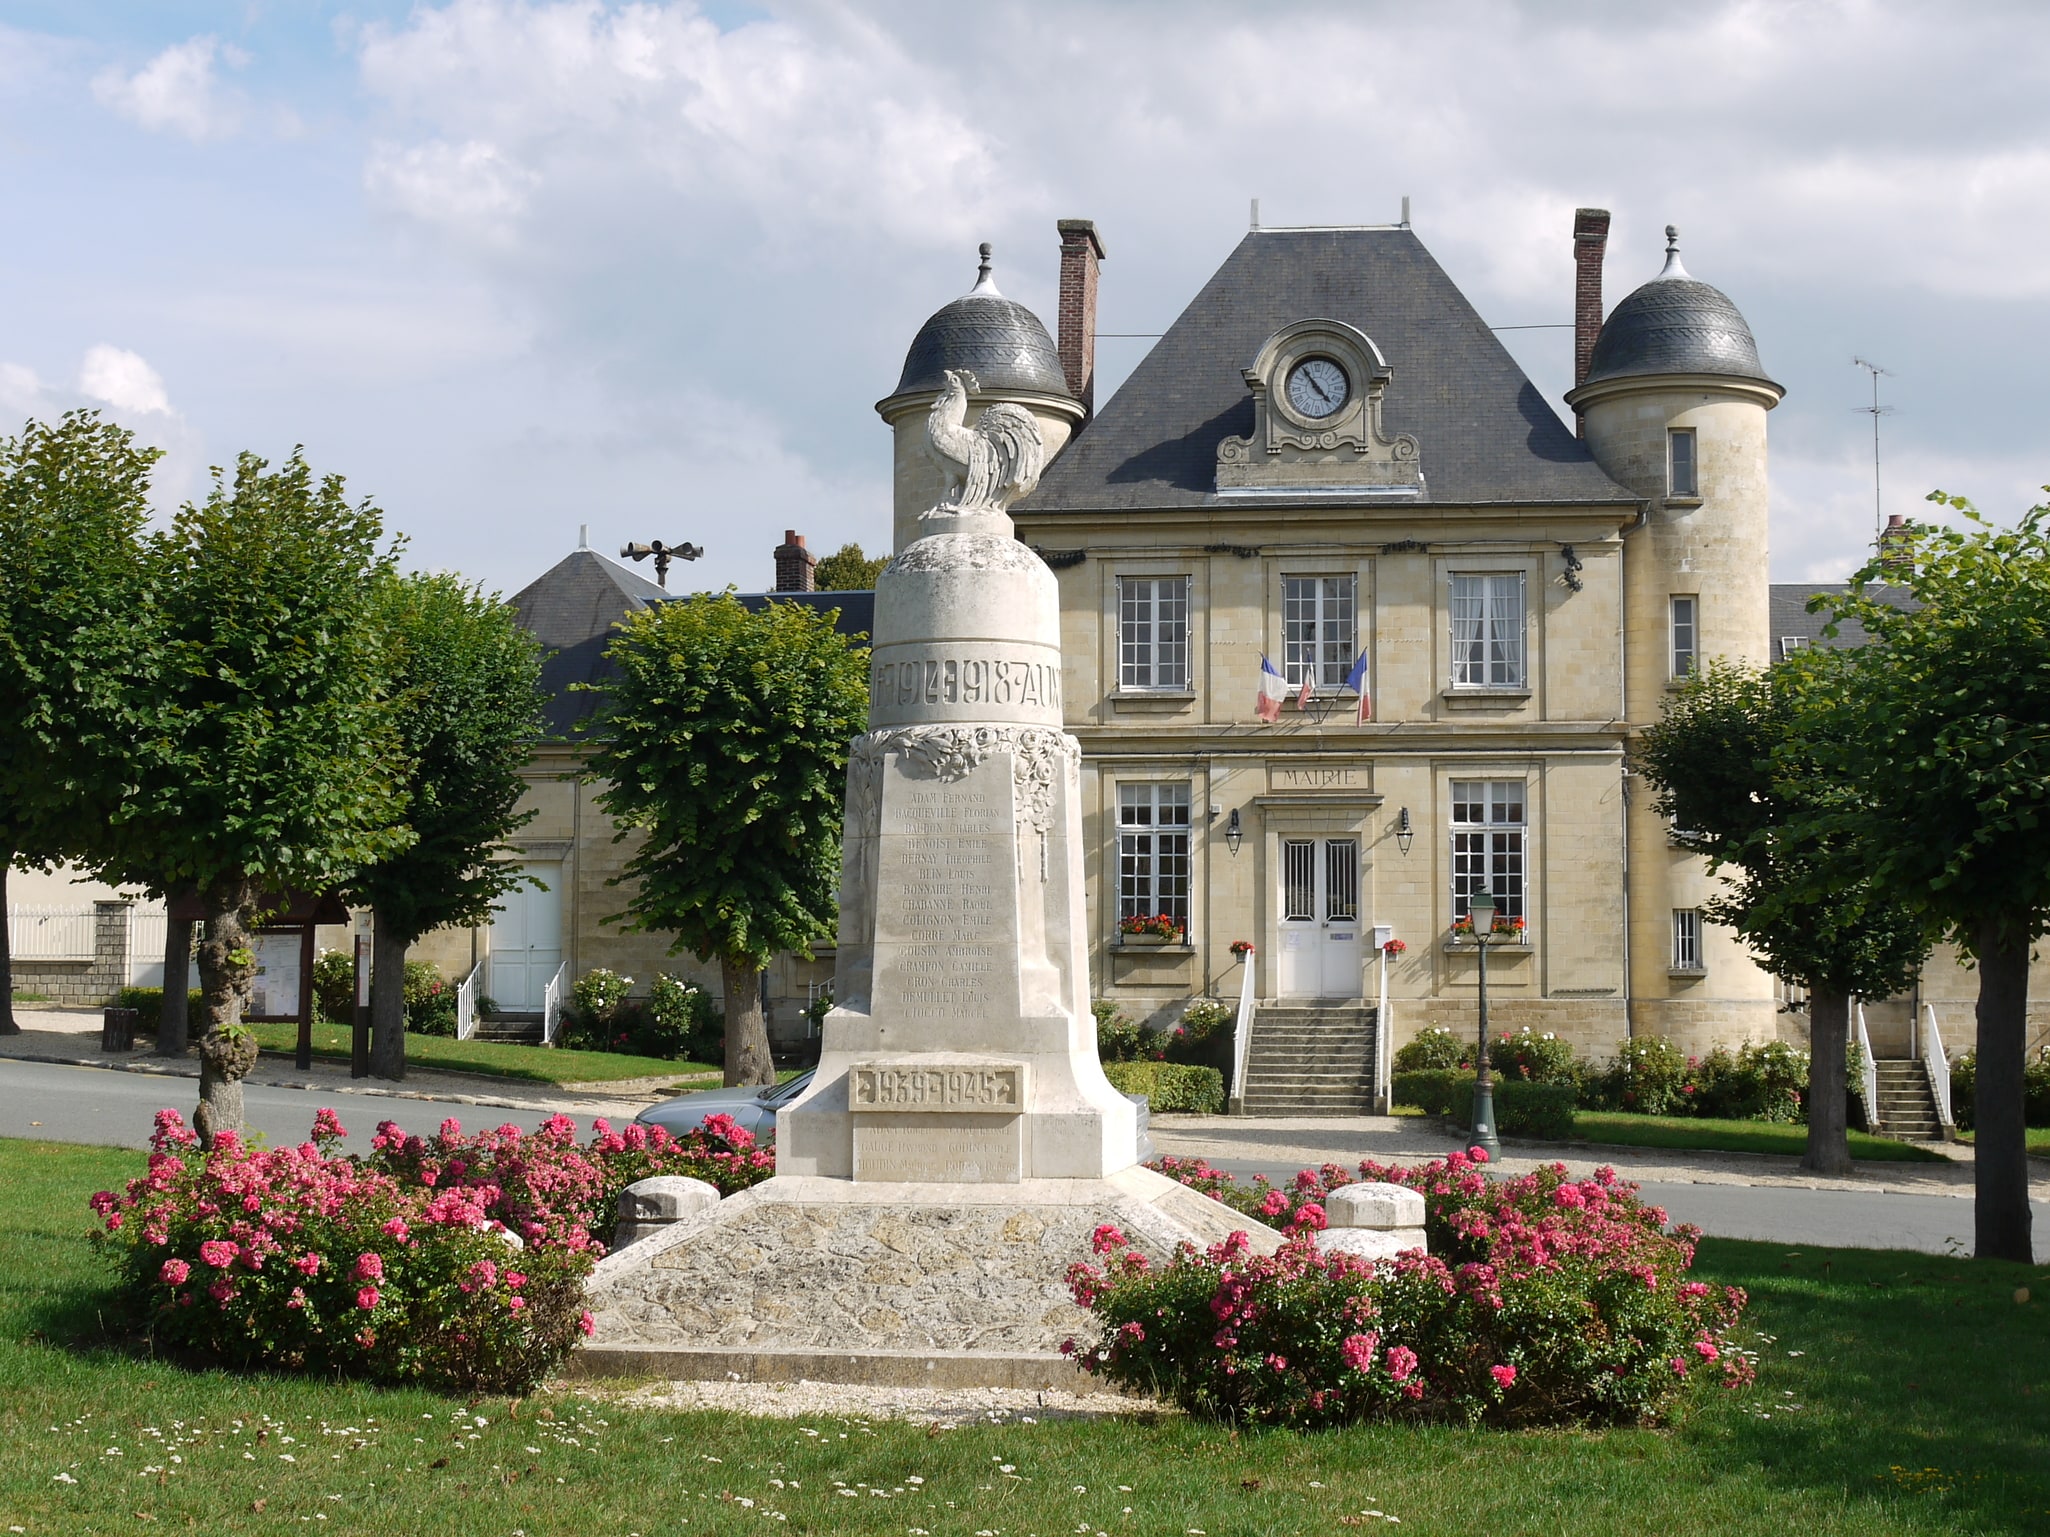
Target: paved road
[
  {"x": 92, "y": 1104},
  {"x": 85, "y": 1104},
  {"x": 1840, "y": 1219}
]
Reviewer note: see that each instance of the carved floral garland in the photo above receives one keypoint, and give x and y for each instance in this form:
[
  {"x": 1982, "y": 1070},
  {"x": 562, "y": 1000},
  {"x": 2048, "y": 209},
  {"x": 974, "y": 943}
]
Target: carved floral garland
[{"x": 1041, "y": 761}]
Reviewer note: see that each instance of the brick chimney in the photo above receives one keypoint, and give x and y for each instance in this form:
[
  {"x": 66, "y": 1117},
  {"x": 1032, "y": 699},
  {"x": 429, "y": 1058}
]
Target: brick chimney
[
  {"x": 1081, "y": 250},
  {"x": 794, "y": 563},
  {"x": 1590, "y": 242}
]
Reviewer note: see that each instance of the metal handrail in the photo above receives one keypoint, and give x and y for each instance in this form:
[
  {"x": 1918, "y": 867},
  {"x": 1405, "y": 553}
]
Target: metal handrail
[
  {"x": 551, "y": 1005},
  {"x": 1936, "y": 1062},
  {"x": 466, "y": 1004},
  {"x": 1868, "y": 1078},
  {"x": 1242, "y": 1038}
]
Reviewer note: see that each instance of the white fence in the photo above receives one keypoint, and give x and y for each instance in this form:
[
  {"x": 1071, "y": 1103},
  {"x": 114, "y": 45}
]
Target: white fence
[
  {"x": 147, "y": 934},
  {"x": 1936, "y": 1062},
  {"x": 1242, "y": 1042},
  {"x": 50, "y": 933},
  {"x": 551, "y": 1004},
  {"x": 466, "y": 1004},
  {"x": 1868, "y": 1080}
]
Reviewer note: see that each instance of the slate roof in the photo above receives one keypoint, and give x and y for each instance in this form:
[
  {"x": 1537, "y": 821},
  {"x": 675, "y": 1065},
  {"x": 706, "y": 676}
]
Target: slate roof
[
  {"x": 1791, "y": 620},
  {"x": 1003, "y": 343},
  {"x": 1675, "y": 324},
  {"x": 1484, "y": 434},
  {"x": 572, "y": 607}
]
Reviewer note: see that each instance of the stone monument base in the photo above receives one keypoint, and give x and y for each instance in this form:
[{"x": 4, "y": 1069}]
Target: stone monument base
[{"x": 892, "y": 1284}]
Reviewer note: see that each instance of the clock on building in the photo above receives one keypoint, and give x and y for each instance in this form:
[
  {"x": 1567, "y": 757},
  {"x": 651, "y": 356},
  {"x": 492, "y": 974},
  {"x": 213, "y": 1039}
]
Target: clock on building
[{"x": 1317, "y": 387}]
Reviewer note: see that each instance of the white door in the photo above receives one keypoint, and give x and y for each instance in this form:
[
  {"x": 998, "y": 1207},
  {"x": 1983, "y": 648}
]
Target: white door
[
  {"x": 1320, "y": 918},
  {"x": 526, "y": 942}
]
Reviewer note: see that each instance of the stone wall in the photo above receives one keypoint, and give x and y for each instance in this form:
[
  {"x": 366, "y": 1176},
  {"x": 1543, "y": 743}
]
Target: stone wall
[{"x": 84, "y": 984}]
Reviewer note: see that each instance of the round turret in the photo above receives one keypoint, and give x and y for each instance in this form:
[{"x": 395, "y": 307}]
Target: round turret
[
  {"x": 1675, "y": 324},
  {"x": 1009, "y": 355}
]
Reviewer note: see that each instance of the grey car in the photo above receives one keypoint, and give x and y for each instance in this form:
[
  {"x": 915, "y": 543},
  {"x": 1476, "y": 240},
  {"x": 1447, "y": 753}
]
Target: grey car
[{"x": 754, "y": 1110}]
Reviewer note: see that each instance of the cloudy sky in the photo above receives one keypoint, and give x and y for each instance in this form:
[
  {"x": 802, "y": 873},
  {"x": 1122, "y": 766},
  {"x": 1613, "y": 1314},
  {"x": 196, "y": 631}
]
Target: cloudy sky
[{"x": 515, "y": 266}]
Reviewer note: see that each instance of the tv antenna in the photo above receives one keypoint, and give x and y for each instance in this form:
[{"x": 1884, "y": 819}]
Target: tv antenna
[{"x": 1875, "y": 411}]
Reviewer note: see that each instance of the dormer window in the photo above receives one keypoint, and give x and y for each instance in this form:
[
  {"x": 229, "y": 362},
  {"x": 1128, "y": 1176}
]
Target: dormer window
[{"x": 1681, "y": 476}]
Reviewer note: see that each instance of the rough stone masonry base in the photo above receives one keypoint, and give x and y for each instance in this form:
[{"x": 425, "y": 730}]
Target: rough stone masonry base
[{"x": 891, "y": 1284}]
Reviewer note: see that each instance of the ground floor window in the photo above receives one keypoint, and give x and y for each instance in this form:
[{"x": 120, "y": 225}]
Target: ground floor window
[
  {"x": 1153, "y": 850},
  {"x": 1489, "y": 844}
]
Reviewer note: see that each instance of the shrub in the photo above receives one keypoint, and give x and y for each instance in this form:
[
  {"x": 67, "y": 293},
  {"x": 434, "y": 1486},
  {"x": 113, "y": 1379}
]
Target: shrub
[
  {"x": 1767, "y": 1082},
  {"x": 683, "y": 1022},
  {"x": 597, "y": 993},
  {"x": 453, "y": 1261},
  {"x": 1205, "y": 1037},
  {"x": 148, "y": 1003},
  {"x": 1645, "y": 1076},
  {"x": 1118, "y": 1037},
  {"x": 1436, "y": 1047},
  {"x": 430, "y": 1002},
  {"x": 334, "y": 987},
  {"x": 1544, "y": 1301},
  {"x": 1170, "y": 1087},
  {"x": 1431, "y": 1090},
  {"x": 1543, "y": 1111},
  {"x": 1530, "y": 1057}
]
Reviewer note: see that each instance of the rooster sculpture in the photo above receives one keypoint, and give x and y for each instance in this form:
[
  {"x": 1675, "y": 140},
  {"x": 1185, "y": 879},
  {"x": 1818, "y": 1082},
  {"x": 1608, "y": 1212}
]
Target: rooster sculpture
[{"x": 987, "y": 466}]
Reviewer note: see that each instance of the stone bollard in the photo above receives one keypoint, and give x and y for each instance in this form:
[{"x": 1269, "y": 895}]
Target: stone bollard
[
  {"x": 1374, "y": 1221},
  {"x": 650, "y": 1205},
  {"x": 117, "y": 1029}
]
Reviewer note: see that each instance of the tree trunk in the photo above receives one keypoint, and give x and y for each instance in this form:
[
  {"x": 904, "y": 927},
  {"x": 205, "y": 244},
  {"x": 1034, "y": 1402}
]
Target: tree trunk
[
  {"x": 2001, "y": 1163},
  {"x": 387, "y": 1001},
  {"x": 747, "y": 1032},
  {"x": 174, "y": 1028},
  {"x": 7, "y": 1024},
  {"x": 1829, "y": 1130},
  {"x": 226, "y": 968}
]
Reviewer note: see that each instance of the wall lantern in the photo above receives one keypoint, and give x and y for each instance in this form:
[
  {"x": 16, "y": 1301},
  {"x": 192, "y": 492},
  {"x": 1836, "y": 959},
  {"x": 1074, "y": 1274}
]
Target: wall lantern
[
  {"x": 1404, "y": 832},
  {"x": 1234, "y": 834}
]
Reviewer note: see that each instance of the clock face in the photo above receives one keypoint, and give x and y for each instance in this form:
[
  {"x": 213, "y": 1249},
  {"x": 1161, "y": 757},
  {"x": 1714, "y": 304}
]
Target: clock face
[{"x": 1317, "y": 387}]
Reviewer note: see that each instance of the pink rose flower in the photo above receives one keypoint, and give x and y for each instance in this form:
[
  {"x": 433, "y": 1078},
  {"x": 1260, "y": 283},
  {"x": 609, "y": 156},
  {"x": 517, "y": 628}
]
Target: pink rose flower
[
  {"x": 588, "y": 1324},
  {"x": 1358, "y": 1350},
  {"x": 516, "y": 1303},
  {"x": 1401, "y": 1362},
  {"x": 369, "y": 1267},
  {"x": 174, "y": 1272},
  {"x": 218, "y": 1253},
  {"x": 307, "y": 1264},
  {"x": 1477, "y": 1154},
  {"x": 1106, "y": 1238},
  {"x": 396, "y": 1228},
  {"x": 367, "y": 1298},
  {"x": 1505, "y": 1376}
]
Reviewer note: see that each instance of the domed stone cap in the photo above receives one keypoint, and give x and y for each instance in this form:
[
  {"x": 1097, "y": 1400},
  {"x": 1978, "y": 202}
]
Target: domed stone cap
[
  {"x": 997, "y": 339},
  {"x": 1675, "y": 324}
]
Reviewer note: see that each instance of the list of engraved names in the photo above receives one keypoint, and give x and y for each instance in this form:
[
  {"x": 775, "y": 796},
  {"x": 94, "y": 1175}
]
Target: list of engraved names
[{"x": 944, "y": 919}]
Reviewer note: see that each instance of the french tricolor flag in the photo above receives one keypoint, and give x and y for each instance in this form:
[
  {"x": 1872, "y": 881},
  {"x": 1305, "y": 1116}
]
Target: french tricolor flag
[{"x": 1273, "y": 689}]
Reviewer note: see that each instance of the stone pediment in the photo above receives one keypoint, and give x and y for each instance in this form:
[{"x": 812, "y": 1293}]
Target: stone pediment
[{"x": 1317, "y": 389}]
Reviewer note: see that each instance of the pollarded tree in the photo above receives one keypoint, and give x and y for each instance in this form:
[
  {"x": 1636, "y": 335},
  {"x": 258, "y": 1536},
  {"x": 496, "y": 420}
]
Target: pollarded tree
[
  {"x": 73, "y": 500},
  {"x": 269, "y": 758},
  {"x": 1734, "y": 762},
  {"x": 723, "y": 739},
  {"x": 461, "y": 676},
  {"x": 1944, "y": 728}
]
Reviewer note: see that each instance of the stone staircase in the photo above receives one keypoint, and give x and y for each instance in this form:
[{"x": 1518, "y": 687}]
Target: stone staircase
[
  {"x": 1310, "y": 1060},
  {"x": 1907, "y": 1108},
  {"x": 515, "y": 1029}
]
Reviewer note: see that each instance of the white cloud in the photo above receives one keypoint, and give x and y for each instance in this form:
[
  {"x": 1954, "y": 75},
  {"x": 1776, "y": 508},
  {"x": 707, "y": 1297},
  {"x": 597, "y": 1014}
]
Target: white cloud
[
  {"x": 178, "y": 91},
  {"x": 469, "y": 188},
  {"x": 123, "y": 380}
]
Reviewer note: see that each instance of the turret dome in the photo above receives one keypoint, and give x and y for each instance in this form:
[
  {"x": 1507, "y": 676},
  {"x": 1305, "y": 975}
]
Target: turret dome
[
  {"x": 997, "y": 339},
  {"x": 1675, "y": 324}
]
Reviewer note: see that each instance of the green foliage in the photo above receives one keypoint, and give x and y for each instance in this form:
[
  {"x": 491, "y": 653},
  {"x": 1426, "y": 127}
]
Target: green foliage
[
  {"x": 1964, "y": 1089},
  {"x": 597, "y": 995},
  {"x": 1530, "y": 1057},
  {"x": 1435, "y": 1047},
  {"x": 462, "y": 678},
  {"x": 74, "y": 622},
  {"x": 1741, "y": 762},
  {"x": 334, "y": 987},
  {"x": 1543, "y": 1111},
  {"x": 430, "y": 1001},
  {"x": 1170, "y": 1087},
  {"x": 1647, "y": 1075},
  {"x": 148, "y": 1003},
  {"x": 1118, "y": 1037},
  {"x": 723, "y": 742},
  {"x": 683, "y": 1022},
  {"x": 1206, "y": 1037},
  {"x": 1767, "y": 1082},
  {"x": 847, "y": 570}
]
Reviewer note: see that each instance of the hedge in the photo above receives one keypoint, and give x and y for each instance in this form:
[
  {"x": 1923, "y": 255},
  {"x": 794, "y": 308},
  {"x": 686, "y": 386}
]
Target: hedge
[
  {"x": 1170, "y": 1086},
  {"x": 1540, "y": 1110}
]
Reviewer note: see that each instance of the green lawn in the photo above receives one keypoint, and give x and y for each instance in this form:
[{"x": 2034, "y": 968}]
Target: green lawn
[
  {"x": 496, "y": 1059},
  {"x": 1683, "y": 1131},
  {"x": 1898, "y": 1394},
  {"x": 2039, "y": 1140}
]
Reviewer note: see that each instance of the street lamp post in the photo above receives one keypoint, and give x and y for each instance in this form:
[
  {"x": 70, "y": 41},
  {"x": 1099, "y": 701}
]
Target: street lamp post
[{"x": 1480, "y": 907}]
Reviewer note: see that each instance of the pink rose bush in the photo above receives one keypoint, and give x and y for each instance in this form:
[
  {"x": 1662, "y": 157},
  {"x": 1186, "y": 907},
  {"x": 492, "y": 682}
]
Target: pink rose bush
[
  {"x": 456, "y": 1260},
  {"x": 1528, "y": 1309}
]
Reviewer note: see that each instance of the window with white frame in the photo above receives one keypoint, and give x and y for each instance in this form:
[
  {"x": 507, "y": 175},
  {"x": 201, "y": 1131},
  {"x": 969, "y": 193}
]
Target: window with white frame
[
  {"x": 1487, "y": 630},
  {"x": 1153, "y": 632},
  {"x": 1687, "y": 939},
  {"x": 1681, "y": 479},
  {"x": 1686, "y": 633},
  {"x": 1319, "y": 629},
  {"x": 1789, "y": 644},
  {"x": 1490, "y": 844},
  {"x": 1153, "y": 850}
]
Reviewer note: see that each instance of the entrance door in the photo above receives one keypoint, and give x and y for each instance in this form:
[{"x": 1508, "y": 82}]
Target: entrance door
[
  {"x": 526, "y": 942},
  {"x": 1320, "y": 918}
]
